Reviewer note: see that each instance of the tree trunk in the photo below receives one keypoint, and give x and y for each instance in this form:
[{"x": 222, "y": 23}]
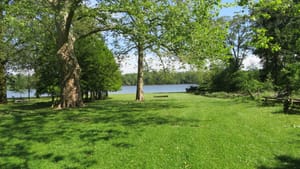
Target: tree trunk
[
  {"x": 3, "y": 95},
  {"x": 140, "y": 80},
  {"x": 70, "y": 84}
]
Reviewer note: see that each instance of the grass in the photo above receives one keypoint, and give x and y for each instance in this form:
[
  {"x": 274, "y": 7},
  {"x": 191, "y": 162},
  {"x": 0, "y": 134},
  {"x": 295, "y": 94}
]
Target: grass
[{"x": 179, "y": 132}]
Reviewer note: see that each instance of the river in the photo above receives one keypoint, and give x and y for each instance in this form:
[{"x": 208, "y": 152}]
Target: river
[
  {"x": 124, "y": 90},
  {"x": 155, "y": 88}
]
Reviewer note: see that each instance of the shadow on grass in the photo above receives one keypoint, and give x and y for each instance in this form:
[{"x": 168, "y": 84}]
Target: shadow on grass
[
  {"x": 122, "y": 145},
  {"x": 28, "y": 125},
  {"x": 290, "y": 112},
  {"x": 33, "y": 106},
  {"x": 284, "y": 162}
]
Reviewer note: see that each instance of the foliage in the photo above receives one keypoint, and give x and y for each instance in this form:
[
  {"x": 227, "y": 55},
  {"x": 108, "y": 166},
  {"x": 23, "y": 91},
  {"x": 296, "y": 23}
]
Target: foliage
[
  {"x": 99, "y": 69},
  {"x": 47, "y": 74},
  {"x": 47, "y": 68},
  {"x": 28, "y": 38},
  {"x": 193, "y": 33},
  {"x": 18, "y": 83},
  {"x": 276, "y": 25},
  {"x": 228, "y": 79},
  {"x": 183, "y": 131},
  {"x": 21, "y": 82},
  {"x": 228, "y": 76}
]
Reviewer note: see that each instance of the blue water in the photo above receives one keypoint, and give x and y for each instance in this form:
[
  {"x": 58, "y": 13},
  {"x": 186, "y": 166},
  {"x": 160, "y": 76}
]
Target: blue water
[
  {"x": 11, "y": 94},
  {"x": 155, "y": 88},
  {"x": 124, "y": 90}
]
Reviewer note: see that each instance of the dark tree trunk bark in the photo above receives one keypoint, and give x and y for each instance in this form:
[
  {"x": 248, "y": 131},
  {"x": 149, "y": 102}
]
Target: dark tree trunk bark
[
  {"x": 70, "y": 84},
  {"x": 140, "y": 74},
  {"x": 3, "y": 94}
]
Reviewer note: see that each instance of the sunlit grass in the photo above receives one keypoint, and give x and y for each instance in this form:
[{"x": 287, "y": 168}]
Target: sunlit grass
[{"x": 180, "y": 131}]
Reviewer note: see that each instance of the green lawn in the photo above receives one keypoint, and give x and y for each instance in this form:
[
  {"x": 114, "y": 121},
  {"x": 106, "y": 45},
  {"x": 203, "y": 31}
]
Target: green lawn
[{"x": 179, "y": 132}]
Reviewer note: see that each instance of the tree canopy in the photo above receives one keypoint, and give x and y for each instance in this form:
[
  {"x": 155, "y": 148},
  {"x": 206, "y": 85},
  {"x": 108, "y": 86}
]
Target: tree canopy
[
  {"x": 276, "y": 41},
  {"x": 99, "y": 69}
]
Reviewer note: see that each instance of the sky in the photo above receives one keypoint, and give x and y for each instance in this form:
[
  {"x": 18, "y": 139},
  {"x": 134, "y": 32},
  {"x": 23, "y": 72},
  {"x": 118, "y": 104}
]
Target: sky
[
  {"x": 129, "y": 65},
  {"x": 230, "y": 11}
]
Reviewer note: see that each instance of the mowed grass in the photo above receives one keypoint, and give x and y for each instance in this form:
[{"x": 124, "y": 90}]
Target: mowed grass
[{"x": 181, "y": 131}]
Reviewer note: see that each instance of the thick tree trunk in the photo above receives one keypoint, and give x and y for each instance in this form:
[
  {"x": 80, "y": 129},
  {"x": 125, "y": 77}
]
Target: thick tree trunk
[
  {"x": 70, "y": 84},
  {"x": 3, "y": 95},
  {"x": 140, "y": 80}
]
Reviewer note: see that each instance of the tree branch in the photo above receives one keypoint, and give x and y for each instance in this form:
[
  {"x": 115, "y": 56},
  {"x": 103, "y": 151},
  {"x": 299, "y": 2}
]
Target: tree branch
[
  {"x": 126, "y": 51},
  {"x": 96, "y": 31},
  {"x": 70, "y": 16}
]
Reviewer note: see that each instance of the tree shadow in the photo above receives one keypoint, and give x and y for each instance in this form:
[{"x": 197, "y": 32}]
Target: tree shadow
[
  {"x": 94, "y": 135},
  {"x": 284, "y": 162},
  {"x": 289, "y": 112},
  {"x": 18, "y": 151},
  {"x": 123, "y": 145},
  {"x": 26, "y": 125},
  {"x": 32, "y": 106},
  {"x": 133, "y": 114}
]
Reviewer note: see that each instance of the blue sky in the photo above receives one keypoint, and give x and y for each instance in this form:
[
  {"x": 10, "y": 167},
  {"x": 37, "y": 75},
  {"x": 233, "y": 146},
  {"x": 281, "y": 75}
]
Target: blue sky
[{"x": 229, "y": 11}]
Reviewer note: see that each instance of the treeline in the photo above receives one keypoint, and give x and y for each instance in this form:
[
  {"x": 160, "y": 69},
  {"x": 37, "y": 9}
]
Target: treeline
[{"x": 163, "y": 77}]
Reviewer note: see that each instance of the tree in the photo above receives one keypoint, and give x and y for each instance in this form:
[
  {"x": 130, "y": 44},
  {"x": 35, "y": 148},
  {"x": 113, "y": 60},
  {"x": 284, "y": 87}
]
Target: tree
[
  {"x": 139, "y": 25},
  {"x": 69, "y": 20},
  {"x": 47, "y": 74},
  {"x": 18, "y": 83},
  {"x": 100, "y": 73},
  {"x": 185, "y": 29},
  {"x": 19, "y": 43},
  {"x": 3, "y": 56},
  {"x": 238, "y": 38},
  {"x": 276, "y": 25}
]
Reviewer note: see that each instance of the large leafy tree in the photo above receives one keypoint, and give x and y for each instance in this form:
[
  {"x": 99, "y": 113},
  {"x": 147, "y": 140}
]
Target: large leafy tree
[
  {"x": 276, "y": 25},
  {"x": 65, "y": 22},
  {"x": 185, "y": 29},
  {"x": 141, "y": 28},
  {"x": 21, "y": 35},
  {"x": 100, "y": 73},
  {"x": 8, "y": 44}
]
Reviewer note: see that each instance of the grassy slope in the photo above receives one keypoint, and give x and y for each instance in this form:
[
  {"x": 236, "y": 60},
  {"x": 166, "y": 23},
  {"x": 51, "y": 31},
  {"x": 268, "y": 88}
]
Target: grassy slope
[{"x": 181, "y": 131}]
